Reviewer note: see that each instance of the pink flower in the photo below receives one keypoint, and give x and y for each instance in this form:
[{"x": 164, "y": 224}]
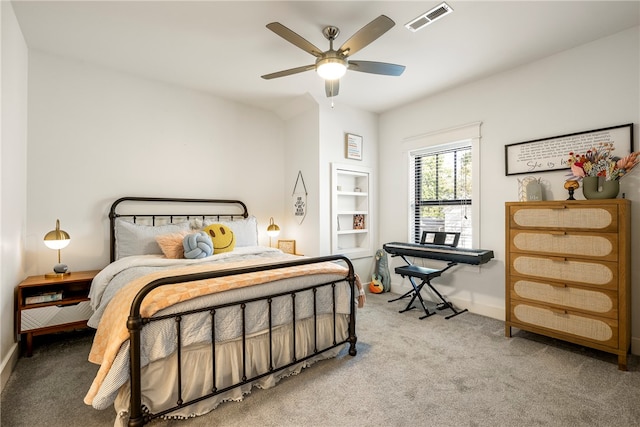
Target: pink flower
[{"x": 577, "y": 170}]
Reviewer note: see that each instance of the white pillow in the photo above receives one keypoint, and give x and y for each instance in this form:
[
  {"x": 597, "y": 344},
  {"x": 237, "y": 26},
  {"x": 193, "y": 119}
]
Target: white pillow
[
  {"x": 245, "y": 230},
  {"x": 136, "y": 239}
]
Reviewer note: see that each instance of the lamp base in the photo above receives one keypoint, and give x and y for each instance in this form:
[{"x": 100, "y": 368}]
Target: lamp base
[{"x": 54, "y": 275}]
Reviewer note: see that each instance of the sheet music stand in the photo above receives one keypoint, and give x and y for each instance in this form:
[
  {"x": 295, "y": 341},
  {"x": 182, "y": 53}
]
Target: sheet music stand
[{"x": 427, "y": 274}]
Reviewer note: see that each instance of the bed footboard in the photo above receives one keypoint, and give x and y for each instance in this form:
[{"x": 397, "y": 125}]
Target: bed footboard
[{"x": 136, "y": 322}]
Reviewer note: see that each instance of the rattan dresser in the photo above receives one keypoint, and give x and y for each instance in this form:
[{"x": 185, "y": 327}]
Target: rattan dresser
[{"x": 568, "y": 272}]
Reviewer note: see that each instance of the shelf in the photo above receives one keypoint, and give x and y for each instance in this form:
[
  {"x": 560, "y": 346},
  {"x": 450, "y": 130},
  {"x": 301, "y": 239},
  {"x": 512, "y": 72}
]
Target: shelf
[
  {"x": 353, "y": 213},
  {"x": 352, "y": 231},
  {"x": 346, "y": 204},
  {"x": 352, "y": 193}
]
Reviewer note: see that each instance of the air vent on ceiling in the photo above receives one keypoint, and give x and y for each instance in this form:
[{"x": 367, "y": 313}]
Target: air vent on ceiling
[{"x": 429, "y": 17}]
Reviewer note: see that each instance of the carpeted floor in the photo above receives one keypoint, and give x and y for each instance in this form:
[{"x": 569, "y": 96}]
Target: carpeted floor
[{"x": 456, "y": 372}]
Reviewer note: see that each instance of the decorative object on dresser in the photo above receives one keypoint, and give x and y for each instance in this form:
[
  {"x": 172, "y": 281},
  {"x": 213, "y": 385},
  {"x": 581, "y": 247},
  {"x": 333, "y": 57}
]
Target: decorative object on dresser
[
  {"x": 57, "y": 239},
  {"x": 571, "y": 186},
  {"x": 600, "y": 170},
  {"x": 568, "y": 272},
  {"x": 47, "y": 305}
]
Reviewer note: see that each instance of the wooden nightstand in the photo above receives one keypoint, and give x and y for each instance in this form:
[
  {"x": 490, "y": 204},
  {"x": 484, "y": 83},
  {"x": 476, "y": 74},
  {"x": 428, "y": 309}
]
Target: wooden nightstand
[{"x": 65, "y": 306}]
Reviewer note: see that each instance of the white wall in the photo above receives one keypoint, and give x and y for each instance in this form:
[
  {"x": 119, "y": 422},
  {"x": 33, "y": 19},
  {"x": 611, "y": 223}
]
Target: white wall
[
  {"x": 592, "y": 86},
  {"x": 13, "y": 170},
  {"x": 315, "y": 138},
  {"x": 334, "y": 123},
  {"x": 96, "y": 135},
  {"x": 301, "y": 142}
]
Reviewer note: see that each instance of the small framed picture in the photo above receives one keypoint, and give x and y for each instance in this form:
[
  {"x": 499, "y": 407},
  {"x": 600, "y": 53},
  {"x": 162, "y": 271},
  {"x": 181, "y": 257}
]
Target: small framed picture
[
  {"x": 287, "y": 246},
  {"x": 358, "y": 222},
  {"x": 353, "y": 146}
]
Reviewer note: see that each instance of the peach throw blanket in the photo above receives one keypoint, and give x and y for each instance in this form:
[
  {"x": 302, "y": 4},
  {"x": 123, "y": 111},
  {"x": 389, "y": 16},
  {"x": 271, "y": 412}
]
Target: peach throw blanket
[{"x": 112, "y": 331}]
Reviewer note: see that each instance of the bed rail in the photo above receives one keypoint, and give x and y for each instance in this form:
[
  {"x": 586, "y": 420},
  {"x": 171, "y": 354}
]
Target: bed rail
[{"x": 135, "y": 323}]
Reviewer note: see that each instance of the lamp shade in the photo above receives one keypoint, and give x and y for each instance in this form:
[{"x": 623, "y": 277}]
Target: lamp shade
[
  {"x": 57, "y": 239},
  {"x": 331, "y": 68},
  {"x": 273, "y": 230}
]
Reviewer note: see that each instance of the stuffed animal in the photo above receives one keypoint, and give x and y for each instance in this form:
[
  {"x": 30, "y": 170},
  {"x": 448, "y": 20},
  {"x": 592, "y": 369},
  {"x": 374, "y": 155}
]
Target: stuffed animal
[{"x": 222, "y": 238}]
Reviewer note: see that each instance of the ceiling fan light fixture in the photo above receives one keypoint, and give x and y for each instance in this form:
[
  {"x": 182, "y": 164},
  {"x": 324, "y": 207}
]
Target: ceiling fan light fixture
[{"x": 331, "y": 68}]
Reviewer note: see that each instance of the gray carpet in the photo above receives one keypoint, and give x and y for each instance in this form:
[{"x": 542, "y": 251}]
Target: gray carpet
[{"x": 456, "y": 372}]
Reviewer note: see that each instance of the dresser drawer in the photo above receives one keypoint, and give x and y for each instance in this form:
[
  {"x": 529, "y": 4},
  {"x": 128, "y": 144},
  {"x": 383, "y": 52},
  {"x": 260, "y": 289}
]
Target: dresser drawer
[
  {"x": 569, "y": 324},
  {"x": 43, "y": 317},
  {"x": 602, "y": 275},
  {"x": 602, "y": 246},
  {"x": 596, "y": 302},
  {"x": 602, "y": 218}
]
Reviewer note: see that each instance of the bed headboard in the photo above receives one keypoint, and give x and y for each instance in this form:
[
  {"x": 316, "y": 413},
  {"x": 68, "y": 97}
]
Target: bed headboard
[{"x": 157, "y": 211}]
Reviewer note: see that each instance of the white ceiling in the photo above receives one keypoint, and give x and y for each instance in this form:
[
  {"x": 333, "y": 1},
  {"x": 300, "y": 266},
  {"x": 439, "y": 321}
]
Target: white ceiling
[{"x": 223, "y": 47}]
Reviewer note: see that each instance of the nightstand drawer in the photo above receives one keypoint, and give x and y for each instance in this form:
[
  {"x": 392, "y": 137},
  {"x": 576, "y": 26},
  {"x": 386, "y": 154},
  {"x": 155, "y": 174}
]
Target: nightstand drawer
[{"x": 44, "y": 317}]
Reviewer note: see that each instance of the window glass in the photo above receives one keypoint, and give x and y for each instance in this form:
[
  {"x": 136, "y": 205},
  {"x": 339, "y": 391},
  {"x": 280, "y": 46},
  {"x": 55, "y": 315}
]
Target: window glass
[{"x": 440, "y": 180}]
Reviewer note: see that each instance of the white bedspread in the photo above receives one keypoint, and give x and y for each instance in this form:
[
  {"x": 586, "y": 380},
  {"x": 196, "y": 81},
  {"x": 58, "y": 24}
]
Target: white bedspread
[
  {"x": 117, "y": 274},
  {"x": 159, "y": 338}
]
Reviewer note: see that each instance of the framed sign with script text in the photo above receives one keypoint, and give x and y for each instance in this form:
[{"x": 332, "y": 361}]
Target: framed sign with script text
[{"x": 549, "y": 154}]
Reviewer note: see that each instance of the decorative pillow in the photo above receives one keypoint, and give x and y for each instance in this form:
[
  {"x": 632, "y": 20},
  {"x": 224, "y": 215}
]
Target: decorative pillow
[
  {"x": 135, "y": 239},
  {"x": 244, "y": 230},
  {"x": 197, "y": 245},
  {"x": 171, "y": 244},
  {"x": 222, "y": 237}
]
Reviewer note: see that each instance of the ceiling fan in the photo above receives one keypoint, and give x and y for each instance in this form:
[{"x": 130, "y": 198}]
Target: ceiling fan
[{"x": 332, "y": 64}]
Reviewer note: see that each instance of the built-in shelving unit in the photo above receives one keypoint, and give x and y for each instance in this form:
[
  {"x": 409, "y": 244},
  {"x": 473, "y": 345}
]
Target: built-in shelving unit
[{"x": 351, "y": 232}]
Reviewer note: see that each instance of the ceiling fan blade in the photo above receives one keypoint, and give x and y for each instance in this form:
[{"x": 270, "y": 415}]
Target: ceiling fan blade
[
  {"x": 377, "y": 68},
  {"x": 366, "y": 35},
  {"x": 294, "y": 38},
  {"x": 289, "y": 72},
  {"x": 331, "y": 87}
]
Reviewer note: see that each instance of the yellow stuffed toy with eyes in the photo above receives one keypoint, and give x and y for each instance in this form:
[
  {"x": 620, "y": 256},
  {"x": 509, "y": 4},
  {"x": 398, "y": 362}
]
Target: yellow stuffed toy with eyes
[{"x": 222, "y": 238}]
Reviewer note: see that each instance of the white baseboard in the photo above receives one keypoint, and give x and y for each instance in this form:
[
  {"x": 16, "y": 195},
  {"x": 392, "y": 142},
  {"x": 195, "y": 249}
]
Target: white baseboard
[
  {"x": 8, "y": 364},
  {"x": 497, "y": 313}
]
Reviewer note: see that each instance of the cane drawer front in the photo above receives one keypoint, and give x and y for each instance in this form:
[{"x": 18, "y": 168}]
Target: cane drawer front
[
  {"x": 591, "y": 301},
  {"x": 566, "y": 324},
  {"x": 44, "y": 317},
  {"x": 602, "y": 246},
  {"x": 603, "y": 218},
  {"x": 597, "y": 274}
]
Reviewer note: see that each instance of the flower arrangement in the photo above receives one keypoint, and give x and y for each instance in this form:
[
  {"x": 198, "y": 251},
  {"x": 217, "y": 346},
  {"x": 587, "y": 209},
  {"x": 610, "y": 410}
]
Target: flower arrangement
[{"x": 600, "y": 162}]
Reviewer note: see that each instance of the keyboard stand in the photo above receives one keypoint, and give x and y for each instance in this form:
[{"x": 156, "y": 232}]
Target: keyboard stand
[{"x": 425, "y": 274}]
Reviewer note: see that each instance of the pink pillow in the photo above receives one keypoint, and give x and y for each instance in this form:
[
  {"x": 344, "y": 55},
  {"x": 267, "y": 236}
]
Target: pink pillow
[{"x": 171, "y": 244}]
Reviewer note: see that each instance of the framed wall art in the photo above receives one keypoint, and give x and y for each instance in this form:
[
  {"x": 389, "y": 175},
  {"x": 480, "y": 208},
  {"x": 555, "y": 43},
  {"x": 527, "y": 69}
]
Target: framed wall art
[
  {"x": 549, "y": 154},
  {"x": 353, "y": 146}
]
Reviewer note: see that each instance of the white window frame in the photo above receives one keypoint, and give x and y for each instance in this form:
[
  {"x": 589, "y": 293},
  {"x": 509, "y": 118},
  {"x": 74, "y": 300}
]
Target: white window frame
[{"x": 461, "y": 135}]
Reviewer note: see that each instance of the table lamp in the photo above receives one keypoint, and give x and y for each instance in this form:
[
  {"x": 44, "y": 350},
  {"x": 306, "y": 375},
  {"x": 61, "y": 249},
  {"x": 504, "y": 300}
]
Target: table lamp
[
  {"x": 272, "y": 230},
  {"x": 57, "y": 239}
]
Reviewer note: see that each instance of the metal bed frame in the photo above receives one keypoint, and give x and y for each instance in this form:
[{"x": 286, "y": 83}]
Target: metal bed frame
[{"x": 138, "y": 415}]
